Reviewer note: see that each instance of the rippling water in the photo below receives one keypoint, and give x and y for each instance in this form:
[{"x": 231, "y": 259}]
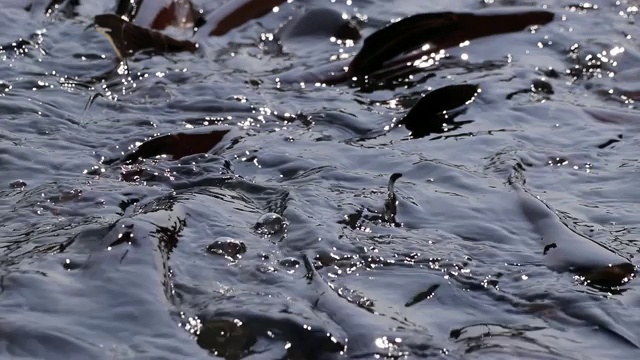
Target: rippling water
[{"x": 168, "y": 259}]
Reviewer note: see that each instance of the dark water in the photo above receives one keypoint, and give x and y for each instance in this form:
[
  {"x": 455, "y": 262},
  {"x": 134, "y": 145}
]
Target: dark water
[{"x": 162, "y": 259}]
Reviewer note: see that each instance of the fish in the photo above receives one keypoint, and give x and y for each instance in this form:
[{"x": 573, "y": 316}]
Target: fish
[
  {"x": 127, "y": 38},
  {"x": 438, "y": 109},
  {"x": 136, "y": 25},
  {"x": 429, "y": 31},
  {"x": 316, "y": 23},
  {"x": 177, "y": 145},
  {"x": 391, "y": 203},
  {"x": 423, "y": 295},
  {"x": 436, "y": 31},
  {"x": 564, "y": 249},
  {"x": 159, "y": 14},
  {"x": 389, "y": 52}
]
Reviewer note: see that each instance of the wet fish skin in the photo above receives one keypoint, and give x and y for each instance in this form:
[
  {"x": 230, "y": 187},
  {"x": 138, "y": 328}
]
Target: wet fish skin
[
  {"x": 159, "y": 14},
  {"x": 127, "y": 8},
  {"x": 386, "y": 53},
  {"x": 427, "y": 115},
  {"x": 127, "y": 38},
  {"x": 390, "y": 204},
  {"x": 234, "y": 14},
  {"x": 179, "y": 145},
  {"x": 440, "y": 31}
]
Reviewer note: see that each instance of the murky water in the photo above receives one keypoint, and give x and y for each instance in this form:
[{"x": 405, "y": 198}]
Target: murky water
[{"x": 278, "y": 242}]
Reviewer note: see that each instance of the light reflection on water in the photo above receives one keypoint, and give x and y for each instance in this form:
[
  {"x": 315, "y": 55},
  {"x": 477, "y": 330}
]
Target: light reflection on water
[{"x": 160, "y": 257}]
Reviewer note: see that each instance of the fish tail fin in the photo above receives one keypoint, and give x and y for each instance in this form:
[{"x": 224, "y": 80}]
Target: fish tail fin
[{"x": 516, "y": 176}]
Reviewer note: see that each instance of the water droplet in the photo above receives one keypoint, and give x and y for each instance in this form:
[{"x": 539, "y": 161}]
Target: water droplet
[
  {"x": 266, "y": 269},
  {"x": 18, "y": 184},
  {"x": 227, "y": 246},
  {"x": 290, "y": 263},
  {"x": 541, "y": 86},
  {"x": 69, "y": 265},
  {"x": 557, "y": 161},
  {"x": 270, "y": 223}
]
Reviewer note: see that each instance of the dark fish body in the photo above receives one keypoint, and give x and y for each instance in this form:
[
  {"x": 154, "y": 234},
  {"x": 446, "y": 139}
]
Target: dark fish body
[
  {"x": 391, "y": 204},
  {"x": 136, "y": 26},
  {"x": 438, "y": 108},
  {"x": 127, "y": 38},
  {"x": 388, "y": 52},
  {"x": 438, "y": 101},
  {"x": 412, "y": 36},
  {"x": 438, "y": 31},
  {"x": 179, "y": 145},
  {"x": 158, "y": 14}
]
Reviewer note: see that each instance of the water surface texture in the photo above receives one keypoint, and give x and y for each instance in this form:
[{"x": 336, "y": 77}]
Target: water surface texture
[{"x": 282, "y": 241}]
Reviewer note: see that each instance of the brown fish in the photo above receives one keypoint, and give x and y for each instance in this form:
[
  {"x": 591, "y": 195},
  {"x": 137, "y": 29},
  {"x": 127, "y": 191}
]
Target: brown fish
[
  {"x": 437, "y": 108},
  {"x": 179, "y": 145},
  {"x": 135, "y": 29},
  {"x": 438, "y": 31},
  {"x": 386, "y": 53},
  {"x": 159, "y": 14},
  {"x": 127, "y": 38}
]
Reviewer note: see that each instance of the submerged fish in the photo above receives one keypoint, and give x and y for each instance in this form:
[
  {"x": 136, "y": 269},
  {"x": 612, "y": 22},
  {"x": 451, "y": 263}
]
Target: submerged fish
[
  {"x": 564, "y": 249},
  {"x": 319, "y": 22}
]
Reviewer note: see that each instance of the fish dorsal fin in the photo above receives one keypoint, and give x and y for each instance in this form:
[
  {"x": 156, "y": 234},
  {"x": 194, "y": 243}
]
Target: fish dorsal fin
[{"x": 427, "y": 115}]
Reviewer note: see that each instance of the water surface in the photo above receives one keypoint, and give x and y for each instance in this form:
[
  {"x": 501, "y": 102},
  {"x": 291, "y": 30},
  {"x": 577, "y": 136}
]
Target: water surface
[{"x": 162, "y": 259}]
